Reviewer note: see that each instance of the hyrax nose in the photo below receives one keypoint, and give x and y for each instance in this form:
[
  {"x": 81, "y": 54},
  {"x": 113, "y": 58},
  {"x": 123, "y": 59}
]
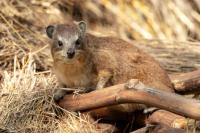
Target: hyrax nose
[{"x": 70, "y": 53}]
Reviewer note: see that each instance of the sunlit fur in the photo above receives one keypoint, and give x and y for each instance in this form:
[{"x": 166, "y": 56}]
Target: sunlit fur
[
  {"x": 68, "y": 38},
  {"x": 105, "y": 60}
]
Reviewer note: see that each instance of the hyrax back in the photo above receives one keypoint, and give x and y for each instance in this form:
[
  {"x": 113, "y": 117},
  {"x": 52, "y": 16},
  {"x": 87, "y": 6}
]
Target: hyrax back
[
  {"x": 84, "y": 60},
  {"x": 125, "y": 61}
]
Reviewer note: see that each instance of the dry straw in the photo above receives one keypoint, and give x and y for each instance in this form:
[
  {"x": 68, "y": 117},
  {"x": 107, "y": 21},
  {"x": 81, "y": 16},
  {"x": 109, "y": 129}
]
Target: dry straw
[{"x": 26, "y": 104}]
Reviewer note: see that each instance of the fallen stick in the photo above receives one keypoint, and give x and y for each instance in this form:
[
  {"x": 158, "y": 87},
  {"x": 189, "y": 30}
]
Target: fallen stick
[
  {"x": 186, "y": 83},
  {"x": 133, "y": 92}
]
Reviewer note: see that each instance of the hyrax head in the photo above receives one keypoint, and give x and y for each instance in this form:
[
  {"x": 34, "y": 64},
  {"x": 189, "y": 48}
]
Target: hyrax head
[{"x": 67, "y": 40}]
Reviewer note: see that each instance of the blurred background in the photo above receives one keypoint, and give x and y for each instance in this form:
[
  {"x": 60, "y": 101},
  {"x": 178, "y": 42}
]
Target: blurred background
[{"x": 167, "y": 29}]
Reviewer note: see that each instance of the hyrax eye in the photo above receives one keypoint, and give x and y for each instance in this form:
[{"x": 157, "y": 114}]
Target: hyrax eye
[
  {"x": 60, "y": 44},
  {"x": 78, "y": 42}
]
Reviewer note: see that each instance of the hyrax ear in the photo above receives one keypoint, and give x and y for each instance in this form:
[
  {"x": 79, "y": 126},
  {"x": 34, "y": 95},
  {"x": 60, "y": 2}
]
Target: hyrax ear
[
  {"x": 50, "y": 30},
  {"x": 82, "y": 27}
]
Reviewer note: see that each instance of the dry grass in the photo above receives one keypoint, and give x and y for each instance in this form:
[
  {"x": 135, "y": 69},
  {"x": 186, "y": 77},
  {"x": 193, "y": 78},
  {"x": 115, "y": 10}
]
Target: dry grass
[
  {"x": 22, "y": 23},
  {"x": 155, "y": 19},
  {"x": 26, "y": 91},
  {"x": 26, "y": 104},
  {"x": 25, "y": 94}
]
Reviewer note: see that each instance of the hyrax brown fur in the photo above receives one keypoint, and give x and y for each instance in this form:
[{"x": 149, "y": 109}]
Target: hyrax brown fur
[{"x": 85, "y": 60}]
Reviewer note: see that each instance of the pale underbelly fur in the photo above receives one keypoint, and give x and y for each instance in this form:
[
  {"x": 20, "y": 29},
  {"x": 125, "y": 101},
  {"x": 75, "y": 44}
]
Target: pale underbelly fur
[{"x": 82, "y": 79}]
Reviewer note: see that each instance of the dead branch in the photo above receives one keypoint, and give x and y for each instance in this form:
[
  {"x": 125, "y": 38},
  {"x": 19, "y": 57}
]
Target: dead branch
[
  {"x": 158, "y": 129},
  {"x": 158, "y": 117},
  {"x": 187, "y": 83},
  {"x": 163, "y": 117},
  {"x": 133, "y": 92}
]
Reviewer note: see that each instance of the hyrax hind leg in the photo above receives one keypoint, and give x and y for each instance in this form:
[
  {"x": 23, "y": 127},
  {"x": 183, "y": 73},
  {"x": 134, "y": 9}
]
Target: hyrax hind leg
[{"x": 103, "y": 78}]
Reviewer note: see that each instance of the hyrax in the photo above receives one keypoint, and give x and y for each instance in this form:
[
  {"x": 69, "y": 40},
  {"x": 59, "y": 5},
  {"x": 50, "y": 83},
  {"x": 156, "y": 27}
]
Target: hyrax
[{"x": 88, "y": 61}]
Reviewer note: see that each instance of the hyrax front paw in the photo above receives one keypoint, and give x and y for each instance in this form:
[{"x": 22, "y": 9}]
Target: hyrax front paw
[
  {"x": 134, "y": 84},
  {"x": 59, "y": 94}
]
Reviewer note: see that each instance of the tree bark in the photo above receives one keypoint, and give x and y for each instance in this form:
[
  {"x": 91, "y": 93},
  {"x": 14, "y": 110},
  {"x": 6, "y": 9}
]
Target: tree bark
[{"x": 133, "y": 92}]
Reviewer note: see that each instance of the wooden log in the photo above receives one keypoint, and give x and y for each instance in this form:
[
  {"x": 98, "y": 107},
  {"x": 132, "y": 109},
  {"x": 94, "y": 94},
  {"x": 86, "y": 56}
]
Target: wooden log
[
  {"x": 163, "y": 117},
  {"x": 186, "y": 83},
  {"x": 133, "y": 92},
  {"x": 158, "y": 129},
  {"x": 158, "y": 117}
]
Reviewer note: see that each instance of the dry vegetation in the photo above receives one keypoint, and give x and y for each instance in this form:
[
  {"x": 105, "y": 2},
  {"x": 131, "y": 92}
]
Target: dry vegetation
[
  {"x": 26, "y": 89},
  {"x": 27, "y": 105}
]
